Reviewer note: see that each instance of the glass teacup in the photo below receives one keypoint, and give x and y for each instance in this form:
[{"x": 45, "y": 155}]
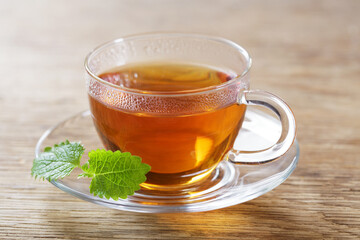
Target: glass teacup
[{"x": 182, "y": 124}]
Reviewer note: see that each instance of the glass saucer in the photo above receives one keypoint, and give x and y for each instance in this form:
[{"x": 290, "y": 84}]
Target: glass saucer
[{"x": 230, "y": 184}]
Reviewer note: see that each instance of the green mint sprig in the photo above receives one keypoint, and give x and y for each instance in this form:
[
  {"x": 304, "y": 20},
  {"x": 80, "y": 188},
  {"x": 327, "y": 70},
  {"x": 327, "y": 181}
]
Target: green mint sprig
[{"x": 113, "y": 174}]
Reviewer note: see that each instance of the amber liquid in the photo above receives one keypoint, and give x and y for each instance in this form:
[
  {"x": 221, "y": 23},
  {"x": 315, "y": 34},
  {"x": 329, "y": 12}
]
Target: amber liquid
[{"x": 181, "y": 149}]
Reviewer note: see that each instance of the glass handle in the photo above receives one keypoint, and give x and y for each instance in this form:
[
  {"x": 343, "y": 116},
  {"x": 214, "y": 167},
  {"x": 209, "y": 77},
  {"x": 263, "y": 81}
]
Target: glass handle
[{"x": 288, "y": 125}]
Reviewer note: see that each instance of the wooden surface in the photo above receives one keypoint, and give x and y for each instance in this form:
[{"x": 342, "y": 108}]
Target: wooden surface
[{"x": 308, "y": 52}]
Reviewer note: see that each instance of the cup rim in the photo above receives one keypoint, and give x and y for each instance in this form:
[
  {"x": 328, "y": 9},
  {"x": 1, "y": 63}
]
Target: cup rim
[{"x": 238, "y": 78}]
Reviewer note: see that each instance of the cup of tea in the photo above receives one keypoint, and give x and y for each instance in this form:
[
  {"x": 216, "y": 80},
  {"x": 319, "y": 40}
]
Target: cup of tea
[{"x": 178, "y": 101}]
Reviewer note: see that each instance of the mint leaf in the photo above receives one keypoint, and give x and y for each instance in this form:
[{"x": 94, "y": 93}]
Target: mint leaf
[
  {"x": 114, "y": 174},
  {"x": 58, "y": 161}
]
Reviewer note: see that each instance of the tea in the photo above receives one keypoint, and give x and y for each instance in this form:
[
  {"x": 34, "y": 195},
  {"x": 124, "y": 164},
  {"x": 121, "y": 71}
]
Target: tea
[{"x": 180, "y": 148}]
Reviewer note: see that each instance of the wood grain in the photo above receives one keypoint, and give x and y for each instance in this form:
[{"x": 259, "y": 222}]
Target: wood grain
[{"x": 306, "y": 51}]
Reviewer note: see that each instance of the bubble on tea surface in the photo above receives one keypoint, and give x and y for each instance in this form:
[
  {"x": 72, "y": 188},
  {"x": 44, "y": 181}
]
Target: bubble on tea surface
[{"x": 163, "y": 104}]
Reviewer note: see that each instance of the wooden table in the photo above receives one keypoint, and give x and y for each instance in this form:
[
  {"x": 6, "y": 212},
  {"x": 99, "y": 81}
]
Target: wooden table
[{"x": 306, "y": 51}]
